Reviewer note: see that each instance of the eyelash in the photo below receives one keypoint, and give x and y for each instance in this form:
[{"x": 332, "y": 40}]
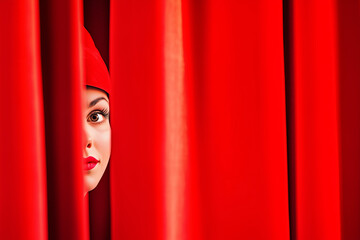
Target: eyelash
[{"x": 104, "y": 112}]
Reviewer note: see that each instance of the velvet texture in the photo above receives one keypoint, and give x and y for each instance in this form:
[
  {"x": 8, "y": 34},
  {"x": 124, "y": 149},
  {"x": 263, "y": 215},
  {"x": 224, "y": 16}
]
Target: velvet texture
[{"x": 230, "y": 120}]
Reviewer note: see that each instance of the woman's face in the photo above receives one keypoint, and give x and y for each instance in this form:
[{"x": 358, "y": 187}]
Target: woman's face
[{"x": 97, "y": 136}]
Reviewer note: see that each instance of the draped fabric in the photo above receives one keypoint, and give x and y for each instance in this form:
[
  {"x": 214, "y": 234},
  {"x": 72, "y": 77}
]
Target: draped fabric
[{"x": 230, "y": 119}]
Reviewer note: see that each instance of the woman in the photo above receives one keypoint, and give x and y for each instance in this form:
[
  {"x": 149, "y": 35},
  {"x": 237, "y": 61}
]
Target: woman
[{"x": 96, "y": 130}]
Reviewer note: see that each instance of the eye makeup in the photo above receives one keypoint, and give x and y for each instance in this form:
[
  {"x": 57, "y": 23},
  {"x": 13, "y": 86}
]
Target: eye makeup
[{"x": 93, "y": 116}]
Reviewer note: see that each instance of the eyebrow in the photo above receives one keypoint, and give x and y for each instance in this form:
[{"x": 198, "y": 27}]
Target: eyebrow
[{"x": 95, "y": 101}]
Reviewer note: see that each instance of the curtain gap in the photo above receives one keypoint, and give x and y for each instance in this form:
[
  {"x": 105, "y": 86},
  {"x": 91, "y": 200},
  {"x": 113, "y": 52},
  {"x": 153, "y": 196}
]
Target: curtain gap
[
  {"x": 96, "y": 20},
  {"x": 289, "y": 102}
]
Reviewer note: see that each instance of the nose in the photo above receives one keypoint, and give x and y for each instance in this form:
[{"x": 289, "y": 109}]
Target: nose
[{"x": 89, "y": 142}]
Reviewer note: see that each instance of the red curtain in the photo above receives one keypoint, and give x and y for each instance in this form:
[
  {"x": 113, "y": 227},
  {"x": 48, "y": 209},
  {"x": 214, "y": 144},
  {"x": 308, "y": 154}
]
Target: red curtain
[{"x": 230, "y": 120}]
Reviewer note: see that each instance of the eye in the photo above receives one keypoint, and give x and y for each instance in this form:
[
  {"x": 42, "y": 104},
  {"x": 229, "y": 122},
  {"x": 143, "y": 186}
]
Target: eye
[{"x": 96, "y": 117}]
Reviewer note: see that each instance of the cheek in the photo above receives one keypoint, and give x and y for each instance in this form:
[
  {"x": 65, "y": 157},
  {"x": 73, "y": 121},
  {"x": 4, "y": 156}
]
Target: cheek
[{"x": 103, "y": 144}]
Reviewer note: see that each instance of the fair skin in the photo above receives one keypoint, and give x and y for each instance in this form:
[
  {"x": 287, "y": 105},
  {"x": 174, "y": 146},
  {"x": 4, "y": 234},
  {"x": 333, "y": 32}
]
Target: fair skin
[{"x": 96, "y": 135}]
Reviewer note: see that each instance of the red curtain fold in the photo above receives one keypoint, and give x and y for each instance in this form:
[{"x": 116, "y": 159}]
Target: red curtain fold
[
  {"x": 226, "y": 90},
  {"x": 348, "y": 37},
  {"x": 136, "y": 69},
  {"x": 315, "y": 109},
  {"x": 230, "y": 120},
  {"x": 323, "y": 95},
  {"x": 23, "y": 207},
  {"x": 63, "y": 81}
]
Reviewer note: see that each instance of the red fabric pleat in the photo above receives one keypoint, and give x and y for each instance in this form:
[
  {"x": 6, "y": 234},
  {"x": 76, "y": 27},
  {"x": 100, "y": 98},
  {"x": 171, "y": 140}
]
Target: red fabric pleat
[
  {"x": 63, "y": 82},
  {"x": 195, "y": 157},
  {"x": 234, "y": 68},
  {"x": 316, "y": 123},
  {"x": 23, "y": 207},
  {"x": 348, "y": 35},
  {"x": 137, "y": 119}
]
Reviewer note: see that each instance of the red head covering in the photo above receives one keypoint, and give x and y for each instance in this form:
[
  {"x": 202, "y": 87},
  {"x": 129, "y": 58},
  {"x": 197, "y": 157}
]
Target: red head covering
[{"x": 96, "y": 72}]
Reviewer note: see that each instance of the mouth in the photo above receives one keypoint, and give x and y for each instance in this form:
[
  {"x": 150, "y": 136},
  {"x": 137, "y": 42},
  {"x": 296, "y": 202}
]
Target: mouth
[{"x": 90, "y": 163}]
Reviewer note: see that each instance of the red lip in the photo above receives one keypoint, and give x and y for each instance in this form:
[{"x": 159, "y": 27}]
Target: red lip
[{"x": 90, "y": 163}]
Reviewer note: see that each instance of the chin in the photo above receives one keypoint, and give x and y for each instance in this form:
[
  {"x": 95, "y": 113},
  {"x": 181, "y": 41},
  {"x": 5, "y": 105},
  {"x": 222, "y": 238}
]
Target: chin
[{"x": 90, "y": 183}]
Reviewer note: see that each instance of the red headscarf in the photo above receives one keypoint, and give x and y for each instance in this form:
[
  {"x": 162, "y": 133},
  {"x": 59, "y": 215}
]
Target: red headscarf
[{"x": 96, "y": 72}]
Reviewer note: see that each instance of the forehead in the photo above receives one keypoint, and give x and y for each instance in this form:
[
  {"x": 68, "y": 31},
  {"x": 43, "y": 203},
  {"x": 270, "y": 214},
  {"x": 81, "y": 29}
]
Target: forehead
[{"x": 93, "y": 93}]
